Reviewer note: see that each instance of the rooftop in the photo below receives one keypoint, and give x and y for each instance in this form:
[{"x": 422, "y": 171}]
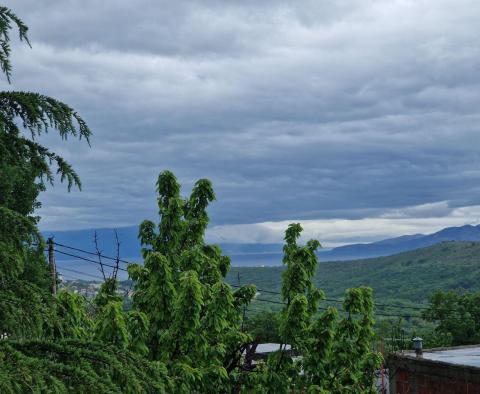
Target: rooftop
[
  {"x": 270, "y": 347},
  {"x": 463, "y": 355}
]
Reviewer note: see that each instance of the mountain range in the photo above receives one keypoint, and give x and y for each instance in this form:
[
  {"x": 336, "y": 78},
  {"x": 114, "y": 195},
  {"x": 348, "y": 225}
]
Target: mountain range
[{"x": 263, "y": 254}]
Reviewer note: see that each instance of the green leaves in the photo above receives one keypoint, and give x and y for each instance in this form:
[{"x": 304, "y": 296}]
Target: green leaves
[
  {"x": 457, "y": 316},
  {"x": 72, "y": 320},
  {"x": 37, "y": 114},
  {"x": 138, "y": 326},
  {"x": 111, "y": 326},
  {"x": 8, "y": 20},
  {"x": 335, "y": 350},
  {"x": 194, "y": 317},
  {"x": 77, "y": 366},
  {"x": 24, "y": 166}
]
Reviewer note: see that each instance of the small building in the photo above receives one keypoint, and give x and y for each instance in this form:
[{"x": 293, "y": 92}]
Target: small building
[{"x": 453, "y": 370}]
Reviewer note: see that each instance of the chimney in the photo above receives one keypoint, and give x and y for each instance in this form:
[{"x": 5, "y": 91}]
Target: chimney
[{"x": 417, "y": 345}]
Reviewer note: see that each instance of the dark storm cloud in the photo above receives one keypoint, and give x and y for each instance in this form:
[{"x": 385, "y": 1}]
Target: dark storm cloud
[{"x": 311, "y": 110}]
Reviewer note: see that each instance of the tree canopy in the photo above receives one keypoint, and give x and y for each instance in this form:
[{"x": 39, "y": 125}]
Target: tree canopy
[{"x": 457, "y": 316}]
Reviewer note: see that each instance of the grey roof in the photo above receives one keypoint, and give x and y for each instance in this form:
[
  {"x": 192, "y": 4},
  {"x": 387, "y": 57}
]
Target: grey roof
[
  {"x": 460, "y": 355},
  {"x": 269, "y": 347}
]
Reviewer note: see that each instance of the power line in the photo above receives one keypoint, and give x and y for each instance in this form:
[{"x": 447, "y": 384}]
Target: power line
[
  {"x": 340, "y": 301},
  {"x": 80, "y": 272},
  {"x": 259, "y": 299},
  {"x": 89, "y": 260},
  {"x": 270, "y": 301},
  {"x": 92, "y": 253},
  {"x": 381, "y": 305},
  {"x": 322, "y": 308}
]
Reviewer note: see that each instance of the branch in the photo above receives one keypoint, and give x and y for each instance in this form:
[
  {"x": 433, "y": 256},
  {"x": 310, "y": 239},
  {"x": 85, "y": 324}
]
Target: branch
[
  {"x": 7, "y": 19},
  {"x": 39, "y": 113},
  {"x": 117, "y": 256},
  {"x": 99, "y": 254}
]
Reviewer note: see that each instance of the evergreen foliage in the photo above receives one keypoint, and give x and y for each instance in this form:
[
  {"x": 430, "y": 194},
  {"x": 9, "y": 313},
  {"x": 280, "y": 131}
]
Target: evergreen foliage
[
  {"x": 72, "y": 366},
  {"x": 47, "y": 343},
  {"x": 24, "y": 165}
]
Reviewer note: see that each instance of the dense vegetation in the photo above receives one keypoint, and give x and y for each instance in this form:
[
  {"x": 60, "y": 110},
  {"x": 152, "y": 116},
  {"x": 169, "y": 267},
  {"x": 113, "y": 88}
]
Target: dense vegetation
[
  {"x": 444, "y": 279},
  {"x": 193, "y": 322},
  {"x": 457, "y": 315},
  {"x": 407, "y": 278}
]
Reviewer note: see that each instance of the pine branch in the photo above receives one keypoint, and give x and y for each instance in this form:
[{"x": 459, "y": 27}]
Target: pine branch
[
  {"x": 39, "y": 113},
  {"x": 8, "y": 20},
  {"x": 42, "y": 159}
]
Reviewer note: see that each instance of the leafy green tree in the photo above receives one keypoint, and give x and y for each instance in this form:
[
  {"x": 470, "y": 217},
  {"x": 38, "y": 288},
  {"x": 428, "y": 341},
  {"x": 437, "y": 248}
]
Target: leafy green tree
[
  {"x": 264, "y": 327},
  {"x": 194, "y": 316},
  {"x": 335, "y": 351},
  {"x": 72, "y": 319},
  {"x": 195, "y": 319},
  {"x": 457, "y": 317}
]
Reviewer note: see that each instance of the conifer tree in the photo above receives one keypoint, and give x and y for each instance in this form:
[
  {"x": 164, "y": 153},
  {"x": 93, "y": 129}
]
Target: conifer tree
[
  {"x": 47, "y": 343},
  {"x": 25, "y": 168}
]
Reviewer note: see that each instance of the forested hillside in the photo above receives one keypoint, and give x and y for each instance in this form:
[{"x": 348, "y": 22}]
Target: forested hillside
[{"x": 405, "y": 277}]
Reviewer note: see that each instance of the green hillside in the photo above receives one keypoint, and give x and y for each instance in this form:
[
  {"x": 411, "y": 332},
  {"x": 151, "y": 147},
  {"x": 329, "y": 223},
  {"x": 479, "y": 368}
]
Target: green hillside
[{"x": 406, "y": 278}]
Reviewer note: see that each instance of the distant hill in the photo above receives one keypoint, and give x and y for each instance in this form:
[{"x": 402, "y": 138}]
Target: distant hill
[
  {"x": 408, "y": 277},
  {"x": 269, "y": 254},
  {"x": 401, "y": 244}
]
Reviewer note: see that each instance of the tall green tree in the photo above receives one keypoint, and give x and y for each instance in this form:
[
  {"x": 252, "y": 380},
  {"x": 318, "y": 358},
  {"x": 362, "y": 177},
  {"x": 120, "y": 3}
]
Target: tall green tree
[
  {"x": 26, "y": 167},
  {"x": 53, "y": 344},
  {"x": 329, "y": 352},
  {"x": 194, "y": 316}
]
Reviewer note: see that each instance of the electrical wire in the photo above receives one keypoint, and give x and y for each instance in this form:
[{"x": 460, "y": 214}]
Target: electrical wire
[
  {"x": 79, "y": 272},
  {"x": 89, "y": 260},
  {"x": 261, "y": 290},
  {"x": 339, "y": 301},
  {"x": 92, "y": 253}
]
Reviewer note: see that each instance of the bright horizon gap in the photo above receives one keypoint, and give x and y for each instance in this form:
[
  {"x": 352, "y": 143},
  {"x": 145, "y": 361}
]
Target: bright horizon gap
[{"x": 421, "y": 219}]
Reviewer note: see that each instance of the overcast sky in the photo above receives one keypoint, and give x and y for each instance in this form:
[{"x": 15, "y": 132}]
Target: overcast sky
[{"x": 358, "y": 118}]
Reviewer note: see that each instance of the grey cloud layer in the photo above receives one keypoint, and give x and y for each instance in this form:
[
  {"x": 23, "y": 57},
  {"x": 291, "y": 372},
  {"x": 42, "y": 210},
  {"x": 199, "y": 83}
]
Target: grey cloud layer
[{"x": 305, "y": 111}]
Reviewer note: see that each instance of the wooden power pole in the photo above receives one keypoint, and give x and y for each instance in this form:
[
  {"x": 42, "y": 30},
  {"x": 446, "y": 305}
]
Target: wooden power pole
[{"x": 51, "y": 265}]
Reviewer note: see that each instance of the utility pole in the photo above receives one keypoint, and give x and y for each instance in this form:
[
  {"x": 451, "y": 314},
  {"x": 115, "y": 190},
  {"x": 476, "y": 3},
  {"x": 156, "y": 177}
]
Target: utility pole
[{"x": 51, "y": 265}]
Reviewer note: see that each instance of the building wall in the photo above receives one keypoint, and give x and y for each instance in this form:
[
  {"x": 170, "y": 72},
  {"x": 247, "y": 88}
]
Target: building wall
[
  {"x": 408, "y": 383},
  {"x": 410, "y": 375}
]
